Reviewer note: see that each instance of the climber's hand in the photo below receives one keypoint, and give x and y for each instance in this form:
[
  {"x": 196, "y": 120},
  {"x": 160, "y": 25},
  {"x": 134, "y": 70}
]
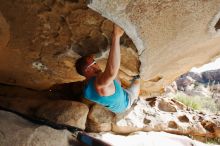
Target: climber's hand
[{"x": 118, "y": 31}]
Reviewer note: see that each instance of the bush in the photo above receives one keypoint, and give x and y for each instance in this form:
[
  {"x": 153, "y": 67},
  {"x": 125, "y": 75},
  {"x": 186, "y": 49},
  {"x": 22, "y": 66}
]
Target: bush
[
  {"x": 213, "y": 140},
  {"x": 206, "y": 104}
]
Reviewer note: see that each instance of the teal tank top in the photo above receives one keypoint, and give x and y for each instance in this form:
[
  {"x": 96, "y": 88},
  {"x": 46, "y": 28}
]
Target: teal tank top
[{"x": 117, "y": 103}]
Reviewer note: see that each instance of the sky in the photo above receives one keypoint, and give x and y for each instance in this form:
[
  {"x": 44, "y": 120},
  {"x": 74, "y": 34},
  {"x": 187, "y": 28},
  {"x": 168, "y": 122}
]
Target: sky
[{"x": 210, "y": 66}]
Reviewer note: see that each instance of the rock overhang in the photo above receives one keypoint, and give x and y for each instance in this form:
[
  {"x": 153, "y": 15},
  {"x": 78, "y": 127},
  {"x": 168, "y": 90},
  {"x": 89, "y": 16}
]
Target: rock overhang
[{"x": 171, "y": 36}]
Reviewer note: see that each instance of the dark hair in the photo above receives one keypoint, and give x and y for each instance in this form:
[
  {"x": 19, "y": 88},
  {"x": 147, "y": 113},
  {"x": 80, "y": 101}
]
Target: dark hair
[{"x": 81, "y": 64}]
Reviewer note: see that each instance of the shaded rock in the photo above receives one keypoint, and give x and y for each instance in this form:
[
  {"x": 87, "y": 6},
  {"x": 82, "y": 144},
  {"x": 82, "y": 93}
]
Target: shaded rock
[
  {"x": 208, "y": 125},
  {"x": 25, "y": 105},
  {"x": 16, "y": 131},
  {"x": 211, "y": 76},
  {"x": 193, "y": 75},
  {"x": 183, "y": 118},
  {"x": 64, "y": 112},
  {"x": 38, "y": 105},
  {"x": 183, "y": 82},
  {"x": 4, "y": 32},
  {"x": 42, "y": 51},
  {"x": 217, "y": 131},
  {"x": 152, "y": 101},
  {"x": 179, "y": 105},
  {"x": 166, "y": 106},
  {"x": 172, "y": 124},
  {"x": 99, "y": 119}
]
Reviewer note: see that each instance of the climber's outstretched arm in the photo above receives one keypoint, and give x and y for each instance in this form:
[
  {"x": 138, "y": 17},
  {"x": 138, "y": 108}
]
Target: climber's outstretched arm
[{"x": 113, "y": 63}]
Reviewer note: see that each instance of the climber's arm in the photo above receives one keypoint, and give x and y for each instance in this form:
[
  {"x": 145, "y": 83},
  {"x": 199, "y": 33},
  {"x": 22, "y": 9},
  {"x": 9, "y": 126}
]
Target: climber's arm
[{"x": 113, "y": 63}]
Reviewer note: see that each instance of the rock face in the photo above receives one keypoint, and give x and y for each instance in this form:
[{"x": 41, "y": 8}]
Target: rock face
[
  {"x": 211, "y": 76},
  {"x": 167, "y": 34},
  {"x": 207, "y": 77},
  {"x": 164, "y": 114},
  {"x": 39, "y": 45},
  {"x": 200, "y": 84},
  {"x": 19, "y": 132}
]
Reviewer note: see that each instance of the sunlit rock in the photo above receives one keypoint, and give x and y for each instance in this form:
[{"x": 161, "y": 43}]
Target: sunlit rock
[{"x": 182, "y": 120}]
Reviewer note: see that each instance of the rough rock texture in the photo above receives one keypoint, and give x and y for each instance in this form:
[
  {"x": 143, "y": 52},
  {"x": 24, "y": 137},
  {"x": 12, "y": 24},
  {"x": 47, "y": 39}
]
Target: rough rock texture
[
  {"x": 211, "y": 76},
  {"x": 99, "y": 119},
  {"x": 15, "y": 131},
  {"x": 190, "y": 86},
  {"x": 187, "y": 80},
  {"x": 41, "y": 41},
  {"x": 171, "y": 36},
  {"x": 164, "y": 114},
  {"x": 64, "y": 112},
  {"x": 152, "y": 114}
]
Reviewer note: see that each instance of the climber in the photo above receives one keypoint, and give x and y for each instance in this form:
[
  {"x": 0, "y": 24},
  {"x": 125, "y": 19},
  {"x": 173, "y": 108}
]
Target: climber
[{"x": 103, "y": 87}]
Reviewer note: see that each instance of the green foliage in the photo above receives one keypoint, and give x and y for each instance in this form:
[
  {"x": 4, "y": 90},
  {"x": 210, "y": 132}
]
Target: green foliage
[
  {"x": 206, "y": 104},
  {"x": 213, "y": 140},
  {"x": 208, "y": 140},
  {"x": 186, "y": 100}
]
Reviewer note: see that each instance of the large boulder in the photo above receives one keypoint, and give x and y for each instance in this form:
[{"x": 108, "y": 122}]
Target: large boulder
[
  {"x": 64, "y": 112},
  {"x": 16, "y": 131},
  {"x": 99, "y": 119}
]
